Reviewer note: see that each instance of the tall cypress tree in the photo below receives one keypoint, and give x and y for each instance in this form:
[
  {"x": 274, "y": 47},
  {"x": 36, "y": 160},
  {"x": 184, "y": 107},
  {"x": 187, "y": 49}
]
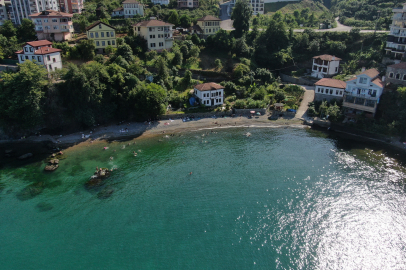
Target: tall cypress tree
[{"x": 241, "y": 15}]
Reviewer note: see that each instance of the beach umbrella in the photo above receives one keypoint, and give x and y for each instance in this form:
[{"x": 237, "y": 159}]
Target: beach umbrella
[
  {"x": 252, "y": 112},
  {"x": 258, "y": 113}
]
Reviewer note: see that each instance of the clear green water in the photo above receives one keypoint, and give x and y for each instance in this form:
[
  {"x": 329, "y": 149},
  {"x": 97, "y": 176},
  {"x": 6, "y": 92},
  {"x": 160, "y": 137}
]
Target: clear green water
[{"x": 280, "y": 199}]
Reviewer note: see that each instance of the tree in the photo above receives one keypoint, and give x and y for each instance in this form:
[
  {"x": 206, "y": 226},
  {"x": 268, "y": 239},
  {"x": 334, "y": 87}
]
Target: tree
[
  {"x": 264, "y": 75},
  {"x": 279, "y": 96},
  {"x": 9, "y": 46},
  {"x": 26, "y": 31},
  {"x": 195, "y": 39},
  {"x": 194, "y": 52},
  {"x": 86, "y": 49},
  {"x": 218, "y": 64},
  {"x": 7, "y": 29},
  {"x": 185, "y": 21},
  {"x": 187, "y": 79},
  {"x": 22, "y": 93},
  {"x": 241, "y": 70},
  {"x": 125, "y": 51},
  {"x": 148, "y": 100},
  {"x": 241, "y": 48},
  {"x": 177, "y": 59},
  {"x": 163, "y": 71},
  {"x": 174, "y": 18},
  {"x": 109, "y": 50},
  {"x": 241, "y": 15}
]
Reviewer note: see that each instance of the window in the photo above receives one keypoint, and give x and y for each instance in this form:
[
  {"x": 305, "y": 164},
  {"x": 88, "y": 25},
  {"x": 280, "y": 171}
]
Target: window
[
  {"x": 404, "y": 77},
  {"x": 39, "y": 58},
  {"x": 318, "y": 90},
  {"x": 314, "y": 68},
  {"x": 336, "y": 69},
  {"x": 48, "y": 58},
  {"x": 160, "y": 28},
  {"x": 152, "y": 45},
  {"x": 322, "y": 90},
  {"x": 107, "y": 34},
  {"x": 101, "y": 34},
  {"x": 151, "y": 36},
  {"x": 151, "y": 29},
  {"x": 100, "y": 26},
  {"x": 55, "y": 27},
  {"x": 363, "y": 80},
  {"x": 108, "y": 42},
  {"x": 50, "y": 67},
  {"x": 26, "y": 49},
  {"x": 391, "y": 75},
  {"x": 97, "y": 43},
  {"x": 97, "y": 34},
  {"x": 54, "y": 60},
  {"x": 331, "y": 91},
  {"x": 336, "y": 92},
  {"x": 103, "y": 43},
  {"x": 341, "y": 93},
  {"x": 397, "y": 76},
  {"x": 161, "y": 44},
  {"x": 91, "y": 35},
  {"x": 22, "y": 58},
  {"x": 45, "y": 20},
  {"x": 139, "y": 29},
  {"x": 113, "y": 42},
  {"x": 54, "y": 20}
]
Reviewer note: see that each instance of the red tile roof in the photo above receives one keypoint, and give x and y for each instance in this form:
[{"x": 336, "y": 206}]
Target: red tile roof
[
  {"x": 378, "y": 82},
  {"x": 400, "y": 65},
  {"x": 327, "y": 57},
  {"x": 131, "y": 1},
  {"x": 371, "y": 73},
  {"x": 118, "y": 9},
  {"x": 39, "y": 43},
  {"x": 153, "y": 23},
  {"x": 52, "y": 13},
  {"x": 97, "y": 23},
  {"x": 208, "y": 86},
  {"x": 42, "y": 51},
  {"x": 331, "y": 83},
  {"x": 209, "y": 18}
]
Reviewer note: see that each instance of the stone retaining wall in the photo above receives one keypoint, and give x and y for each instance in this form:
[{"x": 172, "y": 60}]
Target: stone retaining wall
[
  {"x": 290, "y": 79},
  {"x": 196, "y": 115},
  {"x": 248, "y": 111}
]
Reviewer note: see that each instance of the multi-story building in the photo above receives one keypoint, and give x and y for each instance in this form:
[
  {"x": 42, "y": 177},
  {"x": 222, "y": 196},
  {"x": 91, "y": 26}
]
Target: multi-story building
[
  {"x": 53, "y": 25},
  {"x": 71, "y": 6},
  {"x": 329, "y": 89},
  {"x": 257, "y": 6},
  {"x": 396, "y": 74},
  {"x": 396, "y": 41},
  {"x": 130, "y": 9},
  {"x": 159, "y": 34},
  {"x": 102, "y": 34},
  {"x": 325, "y": 65},
  {"x": 206, "y": 26},
  {"x": 209, "y": 94},
  {"x": 188, "y": 3},
  {"x": 5, "y": 9},
  {"x": 363, "y": 92},
  {"x": 42, "y": 52},
  {"x": 160, "y": 2},
  {"x": 22, "y": 9}
]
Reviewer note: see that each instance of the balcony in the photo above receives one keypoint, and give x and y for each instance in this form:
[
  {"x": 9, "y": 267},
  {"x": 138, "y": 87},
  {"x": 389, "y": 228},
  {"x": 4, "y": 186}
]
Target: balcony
[
  {"x": 64, "y": 30},
  {"x": 357, "y": 102}
]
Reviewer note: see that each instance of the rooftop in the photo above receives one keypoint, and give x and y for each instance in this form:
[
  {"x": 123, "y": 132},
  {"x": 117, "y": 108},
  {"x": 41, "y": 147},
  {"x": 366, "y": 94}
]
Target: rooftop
[
  {"x": 326, "y": 57},
  {"x": 52, "y": 13},
  {"x": 209, "y": 18},
  {"x": 131, "y": 2},
  {"x": 331, "y": 83},
  {"x": 97, "y": 23},
  {"x": 372, "y": 73},
  {"x": 42, "y": 51},
  {"x": 153, "y": 23},
  {"x": 208, "y": 86},
  {"x": 39, "y": 43},
  {"x": 400, "y": 65}
]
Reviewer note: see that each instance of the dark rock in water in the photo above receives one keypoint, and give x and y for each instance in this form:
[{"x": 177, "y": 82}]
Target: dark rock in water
[
  {"x": 105, "y": 193},
  {"x": 25, "y": 156},
  {"x": 44, "y": 206},
  {"x": 9, "y": 191},
  {"x": 30, "y": 191},
  {"x": 94, "y": 183},
  {"x": 51, "y": 168}
]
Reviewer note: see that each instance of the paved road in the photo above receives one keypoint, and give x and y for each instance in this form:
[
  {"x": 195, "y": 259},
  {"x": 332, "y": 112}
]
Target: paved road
[
  {"x": 308, "y": 97},
  {"x": 228, "y": 25}
]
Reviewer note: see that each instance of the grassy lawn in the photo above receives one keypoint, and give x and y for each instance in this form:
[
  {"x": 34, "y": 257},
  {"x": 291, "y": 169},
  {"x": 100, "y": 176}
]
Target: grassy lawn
[{"x": 290, "y": 7}]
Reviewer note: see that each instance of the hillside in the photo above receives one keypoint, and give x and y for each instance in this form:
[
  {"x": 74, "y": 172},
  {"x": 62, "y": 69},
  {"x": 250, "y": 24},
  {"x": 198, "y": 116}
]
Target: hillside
[{"x": 290, "y": 7}]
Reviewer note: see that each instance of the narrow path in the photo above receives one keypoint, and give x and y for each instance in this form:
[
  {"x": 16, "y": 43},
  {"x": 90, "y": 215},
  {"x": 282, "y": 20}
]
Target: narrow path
[{"x": 307, "y": 97}]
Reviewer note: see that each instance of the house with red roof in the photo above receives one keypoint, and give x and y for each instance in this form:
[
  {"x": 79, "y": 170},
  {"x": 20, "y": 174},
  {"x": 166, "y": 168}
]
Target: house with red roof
[
  {"x": 396, "y": 74},
  {"x": 363, "y": 92},
  {"x": 42, "y": 53},
  {"x": 53, "y": 25},
  {"x": 329, "y": 89},
  {"x": 209, "y": 94},
  {"x": 158, "y": 34},
  {"x": 325, "y": 66}
]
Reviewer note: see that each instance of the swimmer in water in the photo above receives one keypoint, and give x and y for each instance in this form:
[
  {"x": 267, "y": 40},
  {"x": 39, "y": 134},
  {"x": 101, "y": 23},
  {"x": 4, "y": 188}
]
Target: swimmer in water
[
  {"x": 111, "y": 158},
  {"x": 190, "y": 173}
]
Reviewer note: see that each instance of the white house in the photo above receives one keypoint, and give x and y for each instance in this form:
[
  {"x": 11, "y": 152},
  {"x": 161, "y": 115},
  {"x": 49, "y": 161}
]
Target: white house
[
  {"x": 209, "y": 94},
  {"x": 329, "y": 89},
  {"x": 325, "y": 65},
  {"x": 118, "y": 12},
  {"x": 363, "y": 92},
  {"x": 129, "y": 9},
  {"x": 160, "y": 2},
  {"x": 42, "y": 52}
]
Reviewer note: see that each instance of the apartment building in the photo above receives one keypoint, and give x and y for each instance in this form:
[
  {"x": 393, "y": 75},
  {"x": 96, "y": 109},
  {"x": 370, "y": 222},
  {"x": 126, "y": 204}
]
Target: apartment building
[
  {"x": 42, "y": 52},
  {"x": 362, "y": 93},
  {"x": 160, "y": 2},
  {"x": 5, "y": 9},
  {"x": 257, "y": 6},
  {"x": 396, "y": 40},
  {"x": 53, "y": 25},
  {"x": 396, "y": 74},
  {"x": 22, "y": 9},
  {"x": 206, "y": 26},
  {"x": 71, "y": 6},
  {"x": 188, "y": 3},
  {"x": 129, "y": 9},
  {"x": 325, "y": 66},
  {"x": 159, "y": 34},
  {"x": 102, "y": 34}
]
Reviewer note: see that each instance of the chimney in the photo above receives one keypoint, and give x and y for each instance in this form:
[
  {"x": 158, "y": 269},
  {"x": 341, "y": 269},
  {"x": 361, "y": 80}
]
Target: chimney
[
  {"x": 363, "y": 69},
  {"x": 383, "y": 78},
  {"x": 333, "y": 58}
]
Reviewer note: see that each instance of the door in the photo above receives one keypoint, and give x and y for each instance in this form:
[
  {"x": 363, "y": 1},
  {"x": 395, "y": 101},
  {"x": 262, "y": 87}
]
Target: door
[{"x": 212, "y": 102}]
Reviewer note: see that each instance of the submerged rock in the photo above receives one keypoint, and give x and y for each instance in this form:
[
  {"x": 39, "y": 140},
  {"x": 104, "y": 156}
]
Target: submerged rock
[
  {"x": 94, "y": 183},
  {"x": 105, "y": 193},
  {"x": 44, "y": 206},
  {"x": 31, "y": 191},
  {"x": 51, "y": 168},
  {"x": 25, "y": 156}
]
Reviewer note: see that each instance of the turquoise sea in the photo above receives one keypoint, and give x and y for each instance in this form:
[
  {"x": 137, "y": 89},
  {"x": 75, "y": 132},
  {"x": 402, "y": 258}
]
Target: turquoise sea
[{"x": 279, "y": 199}]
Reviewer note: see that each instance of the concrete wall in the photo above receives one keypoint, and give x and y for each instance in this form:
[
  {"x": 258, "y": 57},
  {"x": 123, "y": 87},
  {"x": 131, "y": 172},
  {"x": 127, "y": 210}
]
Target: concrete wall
[
  {"x": 290, "y": 79},
  {"x": 196, "y": 115},
  {"x": 248, "y": 111},
  {"x": 393, "y": 72}
]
